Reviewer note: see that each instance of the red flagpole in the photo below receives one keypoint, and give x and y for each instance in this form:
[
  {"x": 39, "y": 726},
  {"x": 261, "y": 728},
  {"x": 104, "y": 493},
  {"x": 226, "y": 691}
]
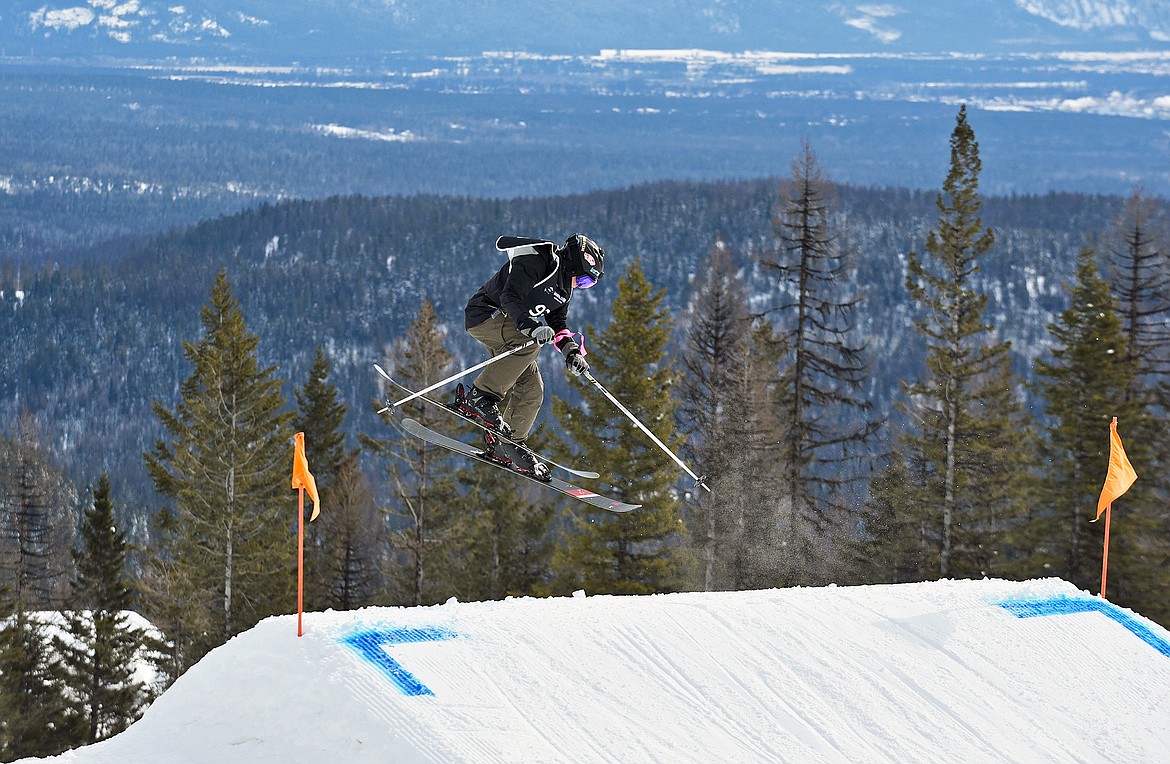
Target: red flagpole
[
  {"x": 1105, "y": 554},
  {"x": 300, "y": 559}
]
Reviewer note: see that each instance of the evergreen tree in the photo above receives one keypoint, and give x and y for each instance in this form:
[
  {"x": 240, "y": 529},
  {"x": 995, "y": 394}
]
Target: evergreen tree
[
  {"x": 1083, "y": 387},
  {"x": 828, "y": 428},
  {"x": 34, "y": 528},
  {"x": 421, "y": 476},
  {"x": 725, "y": 413},
  {"x": 966, "y": 455},
  {"x": 1140, "y": 281},
  {"x": 34, "y": 718},
  {"x": 1139, "y": 276},
  {"x": 225, "y": 550},
  {"x": 753, "y": 495},
  {"x": 167, "y": 586},
  {"x": 502, "y": 546},
  {"x": 898, "y": 536},
  {"x": 642, "y": 551},
  {"x": 353, "y": 541},
  {"x": 37, "y": 519},
  {"x": 100, "y": 646},
  {"x": 321, "y": 416}
]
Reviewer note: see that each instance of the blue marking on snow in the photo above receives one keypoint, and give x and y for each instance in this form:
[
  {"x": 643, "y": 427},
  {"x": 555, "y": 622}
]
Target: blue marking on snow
[
  {"x": 1068, "y": 605},
  {"x": 371, "y": 645}
]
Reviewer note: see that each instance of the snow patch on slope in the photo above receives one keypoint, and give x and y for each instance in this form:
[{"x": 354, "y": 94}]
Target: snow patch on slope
[
  {"x": 120, "y": 19},
  {"x": 389, "y": 136},
  {"x": 950, "y": 670}
]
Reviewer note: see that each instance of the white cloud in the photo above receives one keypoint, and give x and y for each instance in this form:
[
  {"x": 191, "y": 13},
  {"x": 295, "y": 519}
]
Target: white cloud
[
  {"x": 868, "y": 17},
  {"x": 1081, "y": 14},
  {"x": 66, "y": 19}
]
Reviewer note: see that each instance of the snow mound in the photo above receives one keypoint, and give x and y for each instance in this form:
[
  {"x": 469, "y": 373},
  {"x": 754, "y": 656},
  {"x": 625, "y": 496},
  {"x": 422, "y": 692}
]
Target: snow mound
[{"x": 944, "y": 671}]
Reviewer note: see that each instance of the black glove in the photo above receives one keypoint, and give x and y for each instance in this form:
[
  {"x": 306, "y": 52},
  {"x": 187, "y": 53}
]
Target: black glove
[
  {"x": 541, "y": 334},
  {"x": 575, "y": 362}
]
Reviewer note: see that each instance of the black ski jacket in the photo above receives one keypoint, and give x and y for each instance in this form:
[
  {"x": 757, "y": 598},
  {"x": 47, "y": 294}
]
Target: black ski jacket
[{"x": 534, "y": 284}]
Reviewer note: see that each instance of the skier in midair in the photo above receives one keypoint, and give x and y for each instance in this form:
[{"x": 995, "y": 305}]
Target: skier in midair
[{"x": 526, "y": 300}]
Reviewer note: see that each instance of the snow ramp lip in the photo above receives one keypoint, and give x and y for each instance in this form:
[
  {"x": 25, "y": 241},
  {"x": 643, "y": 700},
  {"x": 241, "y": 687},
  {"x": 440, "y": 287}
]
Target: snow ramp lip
[{"x": 941, "y": 671}]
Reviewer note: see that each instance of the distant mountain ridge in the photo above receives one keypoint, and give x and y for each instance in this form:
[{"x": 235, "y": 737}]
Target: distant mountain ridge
[{"x": 359, "y": 30}]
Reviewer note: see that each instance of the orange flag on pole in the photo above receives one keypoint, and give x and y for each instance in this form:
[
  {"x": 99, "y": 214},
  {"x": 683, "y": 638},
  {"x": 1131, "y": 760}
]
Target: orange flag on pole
[
  {"x": 1121, "y": 473},
  {"x": 301, "y": 477}
]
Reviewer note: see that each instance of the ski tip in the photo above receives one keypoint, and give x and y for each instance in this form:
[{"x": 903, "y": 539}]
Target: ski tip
[{"x": 381, "y": 371}]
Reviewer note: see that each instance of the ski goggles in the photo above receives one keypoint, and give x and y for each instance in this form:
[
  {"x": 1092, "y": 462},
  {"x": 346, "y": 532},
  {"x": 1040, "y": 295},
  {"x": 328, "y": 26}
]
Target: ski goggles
[{"x": 584, "y": 282}]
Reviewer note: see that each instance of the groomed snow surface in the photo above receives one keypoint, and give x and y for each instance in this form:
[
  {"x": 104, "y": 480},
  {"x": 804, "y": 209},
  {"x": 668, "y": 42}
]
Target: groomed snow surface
[{"x": 951, "y": 671}]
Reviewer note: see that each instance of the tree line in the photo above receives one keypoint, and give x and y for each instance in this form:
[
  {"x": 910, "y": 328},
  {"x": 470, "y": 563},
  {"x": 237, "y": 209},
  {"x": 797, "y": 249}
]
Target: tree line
[
  {"x": 92, "y": 344},
  {"x": 768, "y": 394}
]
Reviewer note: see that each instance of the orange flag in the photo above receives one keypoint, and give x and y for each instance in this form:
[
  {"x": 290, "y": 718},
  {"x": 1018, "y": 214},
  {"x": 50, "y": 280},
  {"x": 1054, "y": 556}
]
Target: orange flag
[
  {"x": 301, "y": 477},
  {"x": 1121, "y": 474}
]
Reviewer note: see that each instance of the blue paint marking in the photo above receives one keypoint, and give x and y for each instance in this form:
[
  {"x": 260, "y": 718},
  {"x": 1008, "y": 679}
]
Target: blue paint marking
[
  {"x": 1069, "y": 605},
  {"x": 371, "y": 645}
]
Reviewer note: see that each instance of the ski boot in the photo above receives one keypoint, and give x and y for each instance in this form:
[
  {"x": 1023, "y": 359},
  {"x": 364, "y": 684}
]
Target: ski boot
[
  {"x": 481, "y": 406},
  {"x": 514, "y": 455}
]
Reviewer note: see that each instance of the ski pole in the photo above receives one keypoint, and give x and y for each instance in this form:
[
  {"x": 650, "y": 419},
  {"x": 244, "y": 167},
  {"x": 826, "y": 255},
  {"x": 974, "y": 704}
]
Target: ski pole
[
  {"x": 453, "y": 377},
  {"x": 699, "y": 481}
]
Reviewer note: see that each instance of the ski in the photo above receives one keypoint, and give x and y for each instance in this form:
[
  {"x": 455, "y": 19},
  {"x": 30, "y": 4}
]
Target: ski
[
  {"x": 496, "y": 433},
  {"x": 459, "y": 447}
]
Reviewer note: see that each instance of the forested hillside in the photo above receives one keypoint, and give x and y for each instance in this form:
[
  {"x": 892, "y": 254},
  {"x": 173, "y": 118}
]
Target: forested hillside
[{"x": 90, "y": 346}]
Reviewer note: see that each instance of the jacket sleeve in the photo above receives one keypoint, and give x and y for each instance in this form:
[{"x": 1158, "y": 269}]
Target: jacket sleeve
[{"x": 558, "y": 319}]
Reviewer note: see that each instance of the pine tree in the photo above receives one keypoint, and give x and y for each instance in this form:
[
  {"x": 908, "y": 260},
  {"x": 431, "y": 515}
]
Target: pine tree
[
  {"x": 1140, "y": 281},
  {"x": 33, "y": 712},
  {"x": 34, "y": 718},
  {"x": 1083, "y": 387},
  {"x": 1139, "y": 276},
  {"x": 167, "y": 587},
  {"x": 37, "y": 519},
  {"x": 725, "y": 415},
  {"x": 898, "y": 536},
  {"x": 828, "y": 422},
  {"x": 100, "y": 647},
  {"x": 642, "y": 551},
  {"x": 966, "y": 455},
  {"x": 353, "y": 540},
  {"x": 421, "y": 476},
  {"x": 502, "y": 546},
  {"x": 321, "y": 417},
  {"x": 36, "y": 529},
  {"x": 754, "y": 494},
  {"x": 225, "y": 549}
]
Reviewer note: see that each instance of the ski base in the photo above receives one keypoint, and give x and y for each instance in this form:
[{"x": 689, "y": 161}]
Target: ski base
[{"x": 459, "y": 447}]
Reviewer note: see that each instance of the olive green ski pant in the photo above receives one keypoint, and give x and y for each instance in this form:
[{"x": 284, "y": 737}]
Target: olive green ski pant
[{"x": 515, "y": 380}]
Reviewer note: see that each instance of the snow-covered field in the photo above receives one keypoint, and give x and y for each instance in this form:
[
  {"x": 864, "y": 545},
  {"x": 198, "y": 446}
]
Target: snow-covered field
[{"x": 953, "y": 671}]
